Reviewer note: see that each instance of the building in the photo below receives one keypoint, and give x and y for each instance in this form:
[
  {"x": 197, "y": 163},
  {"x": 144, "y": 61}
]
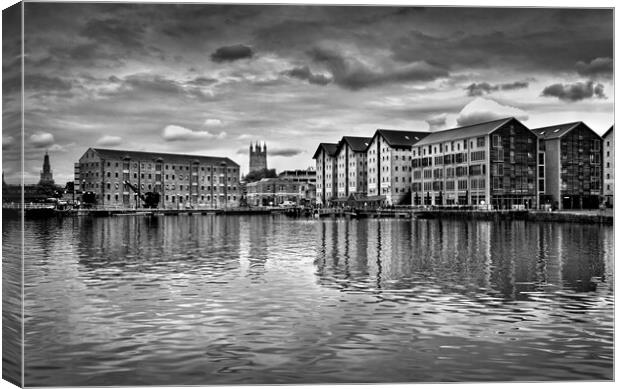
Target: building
[
  {"x": 46, "y": 174},
  {"x": 274, "y": 191},
  {"x": 351, "y": 175},
  {"x": 326, "y": 175},
  {"x": 258, "y": 157},
  {"x": 608, "y": 168},
  {"x": 389, "y": 165},
  {"x": 299, "y": 175},
  {"x": 492, "y": 163},
  {"x": 180, "y": 180},
  {"x": 572, "y": 165}
]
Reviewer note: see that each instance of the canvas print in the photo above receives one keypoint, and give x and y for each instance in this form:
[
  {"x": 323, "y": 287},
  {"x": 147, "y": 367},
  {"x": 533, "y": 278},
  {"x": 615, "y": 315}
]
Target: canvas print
[{"x": 209, "y": 194}]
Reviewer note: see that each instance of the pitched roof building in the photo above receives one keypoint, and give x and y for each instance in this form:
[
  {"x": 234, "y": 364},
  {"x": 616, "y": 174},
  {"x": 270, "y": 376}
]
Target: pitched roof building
[
  {"x": 572, "y": 165},
  {"x": 351, "y": 166},
  {"x": 389, "y": 164},
  {"x": 485, "y": 164},
  {"x": 181, "y": 180},
  {"x": 326, "y": 175}
]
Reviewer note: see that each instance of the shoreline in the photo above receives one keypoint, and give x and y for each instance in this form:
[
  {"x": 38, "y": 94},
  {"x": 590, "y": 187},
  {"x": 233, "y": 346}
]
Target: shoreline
[{"x": 580, "y": 217}]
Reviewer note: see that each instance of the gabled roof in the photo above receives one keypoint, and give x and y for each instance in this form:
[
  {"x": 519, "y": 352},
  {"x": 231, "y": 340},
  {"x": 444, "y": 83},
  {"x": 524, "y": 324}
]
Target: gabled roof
[
  {"x": 356, "y": 143},
  {"x": 330, "y": 149},
  {"x": 166, "y": 157},
  {"x": 464, "y": 132},
  {"x": 556, "y": 131},
  {"x": 396, "y": 138},
  {"x": 606, "y": 134}
]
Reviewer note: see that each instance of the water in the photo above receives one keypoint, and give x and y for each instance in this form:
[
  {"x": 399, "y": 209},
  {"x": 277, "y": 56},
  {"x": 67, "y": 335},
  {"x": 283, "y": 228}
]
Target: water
[{"x": 261, "y": 299}]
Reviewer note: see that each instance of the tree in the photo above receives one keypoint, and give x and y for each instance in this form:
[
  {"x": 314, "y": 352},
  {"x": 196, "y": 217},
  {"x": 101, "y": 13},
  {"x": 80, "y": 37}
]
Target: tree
[{"x": 258, "y": 175}]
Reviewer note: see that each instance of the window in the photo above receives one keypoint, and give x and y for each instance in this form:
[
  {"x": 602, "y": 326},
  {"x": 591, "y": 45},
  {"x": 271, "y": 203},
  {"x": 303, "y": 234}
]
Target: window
[
  {"x": 497, "y": 141},
  {"x": 480, "y": 142}
]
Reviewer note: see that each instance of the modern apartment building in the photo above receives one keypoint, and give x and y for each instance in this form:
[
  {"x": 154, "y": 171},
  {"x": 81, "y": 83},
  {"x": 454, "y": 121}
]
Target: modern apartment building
[
  {"x": 486, "y": 164},
  {"x": 181, "y": 180},
  {"x": 608, "y": 167},
  {"x": 573, "y": 174},
  {"x": 351, "y": 166},
  {"x": 389, "y": 165},
  {"x": 326, "y": 175}
]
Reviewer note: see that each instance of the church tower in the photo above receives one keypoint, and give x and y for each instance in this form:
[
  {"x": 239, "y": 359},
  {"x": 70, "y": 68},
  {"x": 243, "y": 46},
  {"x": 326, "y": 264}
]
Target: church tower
[
  {"x": 258, "y": 157},
  {"x": 46, "y": 173}
]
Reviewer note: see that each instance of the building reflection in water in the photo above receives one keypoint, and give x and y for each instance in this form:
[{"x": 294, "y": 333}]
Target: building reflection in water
[{"x": 505, "y": 260}]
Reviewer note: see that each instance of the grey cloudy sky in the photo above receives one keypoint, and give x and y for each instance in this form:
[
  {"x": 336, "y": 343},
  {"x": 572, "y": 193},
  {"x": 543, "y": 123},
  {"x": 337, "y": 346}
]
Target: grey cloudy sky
[{"x": 209, "y": 79}]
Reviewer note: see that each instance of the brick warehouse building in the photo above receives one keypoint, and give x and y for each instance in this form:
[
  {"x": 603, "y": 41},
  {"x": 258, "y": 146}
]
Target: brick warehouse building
[
  {"x": 181, "y": 180},
  {"x": 573, "y": 173},
  {"x": 492, "y": 163}
]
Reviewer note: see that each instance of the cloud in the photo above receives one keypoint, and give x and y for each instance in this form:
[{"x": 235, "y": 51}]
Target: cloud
[
  {"x": 7, "y": 142},
  {"x": 41, "y": 139},
  {"x": 41, "y": 82},
  {"x": 284, "y": 152},
  {"x": 304, "y": 73},
  {"x": 109, "y": 140},
  {"x": 276, "y": 152},
  {"x": 479, "y": 89},
  {"x": 232, "y": 53},
  {"x": 575, "y": 92},
  {"x": 437, "y": 122},
  {"x": 142, "y": 86},
  {"x": 350, "y": 73},
  {"x": 174, "y": 133},
  {"x": 213, "y": 123},
  {"x": 482, "y": 110},
  {"x": 602, "y": 67},
  {"x": 115, "y": 32}
]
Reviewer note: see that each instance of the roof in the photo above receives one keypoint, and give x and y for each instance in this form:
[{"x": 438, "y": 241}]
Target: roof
[
  {"x": 330, "y": 149},
  {"x": 396, "y": 138},
  {"x": 356, "y": 143},
  {"x": 167, "y": 157},
  {"x": 472, "y": 130},
  {"x": 606, "y": 134},
  {"x": 556, "y": 131}
]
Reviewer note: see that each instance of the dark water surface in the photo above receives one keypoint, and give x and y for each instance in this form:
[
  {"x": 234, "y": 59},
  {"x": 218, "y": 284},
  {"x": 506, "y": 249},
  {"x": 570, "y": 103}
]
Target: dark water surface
[{"x": 261, "y": 299}]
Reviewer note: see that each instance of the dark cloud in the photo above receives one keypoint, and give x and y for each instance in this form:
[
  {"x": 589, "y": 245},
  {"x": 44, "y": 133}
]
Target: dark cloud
[
  {"x": 350, "y": 73},
  {"x": 115, "y": 32},
  {"x": 232, "y": 53},
  {"x": 284, "y": 152},
  {"x": 517, "y": 38},
  {"x": 40, "y": 82},
  {"x": 598, "y": 67},
  {"x": 202, "y": 81},
  {"x": 575, "y": 92},
  {"x": 304, "y": 73},
  {"x": 145, "y": 86},
  {"x": 479, "y": 89},
  {"x": 276, "y": 152}
]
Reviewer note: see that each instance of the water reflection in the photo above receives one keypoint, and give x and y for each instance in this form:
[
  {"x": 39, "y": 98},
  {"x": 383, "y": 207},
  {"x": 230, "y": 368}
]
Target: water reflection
[
  {"x": 505, "y": 259},
  {"x": 255, "y": 299}
]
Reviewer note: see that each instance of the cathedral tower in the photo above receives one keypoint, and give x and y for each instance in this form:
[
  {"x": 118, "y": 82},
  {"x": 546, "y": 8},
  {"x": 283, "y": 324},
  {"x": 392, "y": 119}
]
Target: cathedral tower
[
  {"x": 46, "y": 173},
  {"x": 258, "y": 157}
]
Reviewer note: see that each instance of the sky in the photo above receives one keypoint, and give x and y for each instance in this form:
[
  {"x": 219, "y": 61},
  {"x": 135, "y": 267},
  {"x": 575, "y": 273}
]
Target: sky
[{"x": 210, "y": 79}]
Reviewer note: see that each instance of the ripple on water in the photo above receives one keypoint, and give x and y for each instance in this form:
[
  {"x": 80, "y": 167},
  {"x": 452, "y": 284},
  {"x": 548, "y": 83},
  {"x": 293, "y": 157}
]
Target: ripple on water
[{"x": 215, "y": 300}]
